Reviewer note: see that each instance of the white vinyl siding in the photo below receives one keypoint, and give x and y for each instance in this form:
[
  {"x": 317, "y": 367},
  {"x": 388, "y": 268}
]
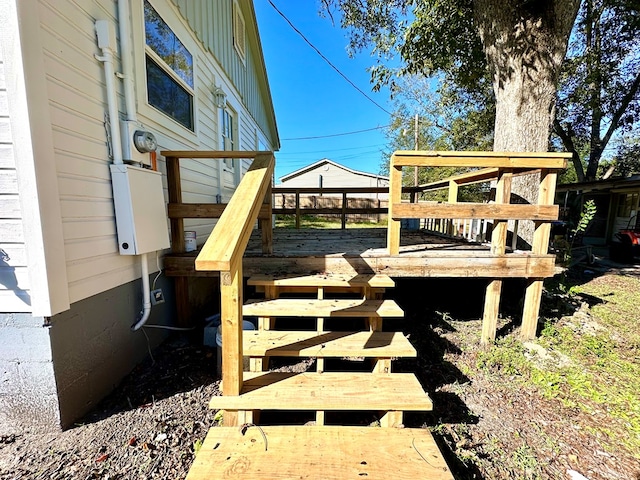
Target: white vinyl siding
[{"x": 74, "y": 90}]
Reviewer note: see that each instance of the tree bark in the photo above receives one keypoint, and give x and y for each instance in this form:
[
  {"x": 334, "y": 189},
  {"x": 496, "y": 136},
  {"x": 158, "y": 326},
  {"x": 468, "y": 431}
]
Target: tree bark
[{"x": 525, "y": 43}]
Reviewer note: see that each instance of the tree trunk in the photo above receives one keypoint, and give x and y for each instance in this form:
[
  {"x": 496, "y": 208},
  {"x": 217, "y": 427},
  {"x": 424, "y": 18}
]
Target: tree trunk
[{"x": 525, "y": 44}]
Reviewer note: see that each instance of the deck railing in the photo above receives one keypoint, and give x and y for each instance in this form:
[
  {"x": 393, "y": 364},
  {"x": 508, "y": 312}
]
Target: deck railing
[
  {"x": 501, "y": 168},
  {"x": 226, "y": 244},
  {"x": 178, "y": 211}
]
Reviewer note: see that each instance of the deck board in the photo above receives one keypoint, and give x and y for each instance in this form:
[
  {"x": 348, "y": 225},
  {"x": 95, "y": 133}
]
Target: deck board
[
  {"x": 364, "y": 251},
  {"x": 326, "y": 344}
]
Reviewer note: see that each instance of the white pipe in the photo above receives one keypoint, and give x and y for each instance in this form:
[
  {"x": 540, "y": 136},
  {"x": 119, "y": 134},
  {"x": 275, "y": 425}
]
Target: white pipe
[
  {"x": 124, "y": 27},
  {"x": 112, "y": 102},
  {"x": 146, "y": 296}
]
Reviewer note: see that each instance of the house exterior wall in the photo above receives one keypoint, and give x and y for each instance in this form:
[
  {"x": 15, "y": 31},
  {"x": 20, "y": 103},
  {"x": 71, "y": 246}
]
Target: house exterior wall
[
  {"x": 335, "y": 176},
  {"x": 54, "y": 162}
]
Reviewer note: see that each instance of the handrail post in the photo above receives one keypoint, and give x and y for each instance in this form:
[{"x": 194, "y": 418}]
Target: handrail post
[
  {"x": 395, "y": 197},
  {"x": 452, "y": 198},
  {"x": 181, "y": 284},
  {"x": 266, "y": 224},
  {"x": 498, "y": 247},
  {"x": 231, "y": 320}
]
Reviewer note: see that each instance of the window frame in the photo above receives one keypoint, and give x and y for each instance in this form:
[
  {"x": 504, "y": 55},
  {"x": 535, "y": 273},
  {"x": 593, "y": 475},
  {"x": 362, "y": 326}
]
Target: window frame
[
  {"x": 239, "y": 41},
  {"x": 169, "y": 70},
  {"x": 228, "y": 112},
  {"x": 174, "y": 21}
]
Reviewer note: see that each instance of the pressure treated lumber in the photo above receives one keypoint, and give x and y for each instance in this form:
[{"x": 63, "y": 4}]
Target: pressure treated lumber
[
  {"x": 328, "y": 453},
  {"x": 231, "y": 234},
  {"x": 480, "y": 159},
  {"x": 288, "y": 307},
  {"x": 326, "y": 344},
  {"x": 327, "y": 391},
  {"x": 475, "y": 210},
  {"x": 324, "y": 280}
]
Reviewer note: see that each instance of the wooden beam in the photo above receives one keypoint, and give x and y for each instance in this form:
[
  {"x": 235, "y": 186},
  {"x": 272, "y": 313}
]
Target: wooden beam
[
  {"x": 231, "y": 233},
  {"x": 266, "y": 222},
  {"x": 205, "y": 210},
  {"x": 475, "y": 210},
  {"x": 480, "y": 159}
]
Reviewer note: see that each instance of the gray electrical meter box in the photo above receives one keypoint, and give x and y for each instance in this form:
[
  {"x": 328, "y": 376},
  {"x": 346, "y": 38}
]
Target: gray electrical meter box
[{"x": 141, "y": 217}]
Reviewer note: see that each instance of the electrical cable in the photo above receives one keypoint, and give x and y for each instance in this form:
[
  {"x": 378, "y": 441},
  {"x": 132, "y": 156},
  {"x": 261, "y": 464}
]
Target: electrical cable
[
  {"x": 337, "y": 134},
  {"x": 328, "y": 61}
]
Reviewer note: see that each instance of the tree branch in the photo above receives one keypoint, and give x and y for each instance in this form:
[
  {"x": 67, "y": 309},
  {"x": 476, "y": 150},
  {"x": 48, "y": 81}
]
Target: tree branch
[
  {"x": 567, "y": 141},
  {"x": 624, "y": 103}
]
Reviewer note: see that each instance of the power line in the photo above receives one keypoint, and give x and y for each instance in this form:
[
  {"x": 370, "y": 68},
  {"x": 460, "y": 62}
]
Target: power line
[
  {"x": 337, "y": 134},
  {"x": 332, "y": 150},
  {"x": 328, "y": 61}
]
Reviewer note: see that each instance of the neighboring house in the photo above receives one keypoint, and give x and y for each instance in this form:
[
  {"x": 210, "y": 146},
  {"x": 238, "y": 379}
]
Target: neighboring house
[
  {"x": 617, "y": 205},
  {"x": 191, "y": 73},
  {"x": 326, "y": 173}
]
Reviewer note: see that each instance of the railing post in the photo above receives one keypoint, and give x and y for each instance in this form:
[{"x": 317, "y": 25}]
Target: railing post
[
  {"x": 395, "y": 197},
  {"x": 231, "y": 320},
  {"x": 344, "y": 210},
  {"x": 498, "y": 244},
  {"x": 533, "y": 292},
  {"x": 181, "y": 284},
  {"x": 452, "y": 198},
  {"x": 266, "y": 224},
  {"x": 298, "y": 209}
]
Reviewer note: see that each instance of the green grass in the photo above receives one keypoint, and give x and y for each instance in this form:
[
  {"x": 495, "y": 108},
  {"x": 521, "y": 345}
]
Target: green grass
[
  {"x": 312, "y": 221},
  {"x": 593, "y": 361}
]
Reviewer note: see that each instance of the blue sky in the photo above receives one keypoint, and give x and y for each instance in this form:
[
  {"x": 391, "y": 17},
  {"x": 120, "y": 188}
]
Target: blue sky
[{"x": 311, "y": 99}]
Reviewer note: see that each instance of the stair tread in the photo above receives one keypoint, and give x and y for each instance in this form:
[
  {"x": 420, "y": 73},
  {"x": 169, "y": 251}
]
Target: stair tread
[
  {"x": 327, "y": 391},
  {"x": 326, "y": 344},
  {"x": 323, "y": 280},
  {"x": 290, "y": 307},
  {"x": 311, "y": 452}
]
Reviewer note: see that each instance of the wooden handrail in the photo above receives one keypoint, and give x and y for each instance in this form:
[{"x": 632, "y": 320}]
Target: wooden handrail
[{"x": 228, "y": 240}]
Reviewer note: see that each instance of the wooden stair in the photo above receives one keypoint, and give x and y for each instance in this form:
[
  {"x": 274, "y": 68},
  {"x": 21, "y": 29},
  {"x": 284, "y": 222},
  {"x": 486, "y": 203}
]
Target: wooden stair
[
  {"x": 328, "y": 453},
  {"x": 321, "y": 451}
]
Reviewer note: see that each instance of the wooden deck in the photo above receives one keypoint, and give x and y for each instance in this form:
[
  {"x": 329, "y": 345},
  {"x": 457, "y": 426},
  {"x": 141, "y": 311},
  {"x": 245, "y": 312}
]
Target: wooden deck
[{"x": 364, "y": 250}]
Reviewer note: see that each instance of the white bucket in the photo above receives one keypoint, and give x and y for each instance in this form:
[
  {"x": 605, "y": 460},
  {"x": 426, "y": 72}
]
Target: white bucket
[
  {"x": 190, "y": 244},
  {"x": 246, "y": 325}
]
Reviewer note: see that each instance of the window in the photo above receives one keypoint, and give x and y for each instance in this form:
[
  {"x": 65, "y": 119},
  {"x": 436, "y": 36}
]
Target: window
[
  {"x": 227, "y": 137},
  {"x": 627, "y": 203},
  {"x": 169, "y": 68},
  {"x": 239, "y": 38}
]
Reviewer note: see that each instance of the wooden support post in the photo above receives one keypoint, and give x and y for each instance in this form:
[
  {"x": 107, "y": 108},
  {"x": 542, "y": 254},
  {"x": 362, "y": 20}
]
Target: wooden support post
[
  {"x": 382, "y": 365},
  {"x": 453, "y": 198},
  {"x": 533, "y": 292},
  {"x": 395, "y": 197},
  {"x": 266, "y": 225},
  {"x": 344, "y": 210},
  {"x": 319, "y": 418},
  {"x": 498, "y": 246},
  {"x": 174, "y": 188},
  {"x": 392, "y": 419},
  {"x": 298, "y": 209},
  {"x": 320, "y": 328},
  {"x": 231, "y": 319}
]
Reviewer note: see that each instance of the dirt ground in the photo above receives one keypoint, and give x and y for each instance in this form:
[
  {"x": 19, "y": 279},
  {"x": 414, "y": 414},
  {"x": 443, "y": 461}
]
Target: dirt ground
[{"x": 487, "y": 421}]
